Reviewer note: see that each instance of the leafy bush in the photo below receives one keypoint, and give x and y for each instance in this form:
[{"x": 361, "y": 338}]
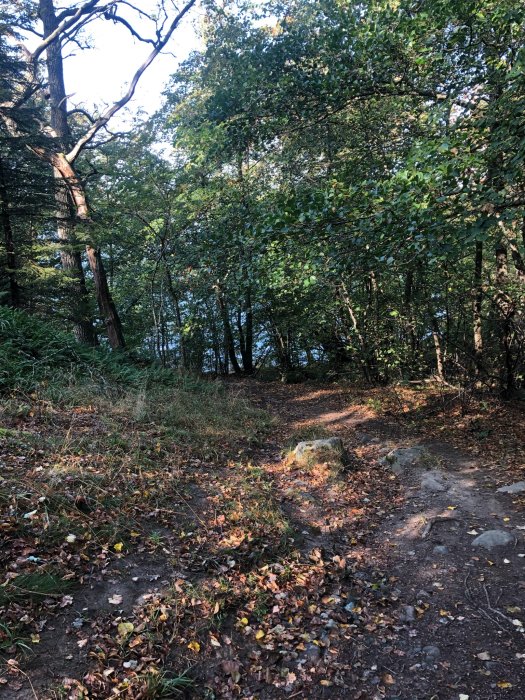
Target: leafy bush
[{"x": 34, "y": 354}]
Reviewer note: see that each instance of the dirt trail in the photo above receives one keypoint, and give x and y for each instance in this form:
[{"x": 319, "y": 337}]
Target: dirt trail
[
  {"x": 375, "y": 591},
  {"x": 457, "y": 628}
]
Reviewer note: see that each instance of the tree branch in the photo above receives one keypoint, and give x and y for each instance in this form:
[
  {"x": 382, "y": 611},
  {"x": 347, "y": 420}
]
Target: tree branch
[{"x": 117, "y": 106}]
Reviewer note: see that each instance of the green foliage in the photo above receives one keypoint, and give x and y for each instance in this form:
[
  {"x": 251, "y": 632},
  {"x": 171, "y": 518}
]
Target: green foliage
[{"x": 35, "y": 354}]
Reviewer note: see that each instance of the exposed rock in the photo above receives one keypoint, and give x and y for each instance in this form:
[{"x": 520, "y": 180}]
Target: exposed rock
[
  {"x": 432, "y": 653},
  {"x": 408, "y": 614},
  {"x": 440, "y": 549},
  {"x": 433, "y": 482},
  {"x": 327, "y": 450},
  {"x": 493, "y": 538},
  {"x": 517, "y": 487},
  {"x": 401, "y": 458}
]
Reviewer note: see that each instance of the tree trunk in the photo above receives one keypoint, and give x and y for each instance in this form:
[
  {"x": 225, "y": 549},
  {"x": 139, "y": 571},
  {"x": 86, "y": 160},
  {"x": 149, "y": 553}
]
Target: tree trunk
[
  {"x": 11, "y": 261},
  {"x": 477, "y": 309},
  {"x": 248, "y": 358},
  {"x": 436, "y": 337},
  {"x": 507, "y": 309},
  {"x": 105, "y": 302},
  {"x": 228, "y": 334},
  {"x": 71, "y": 197},
  {"x": 78, "y": 300},
  {"x": 178, "y": 315},
  {"x": 246, "y": 335}
]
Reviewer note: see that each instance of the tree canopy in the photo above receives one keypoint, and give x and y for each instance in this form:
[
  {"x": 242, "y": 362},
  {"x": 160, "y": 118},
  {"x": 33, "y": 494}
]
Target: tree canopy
[{"x": 329, "y": 186}]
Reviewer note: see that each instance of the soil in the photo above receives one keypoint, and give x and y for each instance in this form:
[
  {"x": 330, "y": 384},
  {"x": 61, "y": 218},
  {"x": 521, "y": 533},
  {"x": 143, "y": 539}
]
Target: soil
[{"x": 385, "y": 595}]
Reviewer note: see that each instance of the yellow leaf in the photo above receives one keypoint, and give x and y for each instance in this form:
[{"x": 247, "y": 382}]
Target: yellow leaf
[
  {"x": 444, "y": 613},
  {"x": 194, "y": 646},
  {"x": 504, "y": 684},
  {"x": 244, "y": 621},
  {"x": 135, "y": 534},
  {"x": 259, "y": 634},
  {"x": 35, "y": 638},
  {"x": 451, "y": 507},
  {"x": 325, "y": 682},
  {"x": 118, "y": 547},
  {"x": 506, "y": 520},
  {"x": 125, "y": 628}
]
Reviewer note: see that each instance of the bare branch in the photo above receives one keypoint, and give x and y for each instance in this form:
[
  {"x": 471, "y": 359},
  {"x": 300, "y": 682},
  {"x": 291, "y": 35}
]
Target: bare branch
[
  {"x": 117, "y": 106},
  {"x": 79, "y": 110},
  {"x": 121, "y": 20},
  {"x": 68, "y": 21}
]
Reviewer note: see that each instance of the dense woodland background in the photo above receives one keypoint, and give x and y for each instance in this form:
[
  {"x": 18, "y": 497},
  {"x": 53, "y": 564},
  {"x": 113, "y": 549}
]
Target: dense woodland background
[{"x": 329, "y": 187}]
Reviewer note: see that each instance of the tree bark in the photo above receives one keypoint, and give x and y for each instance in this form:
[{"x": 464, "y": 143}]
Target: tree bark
[
  {"x": 507, "y": 309},
  {"x": 71, "y": 197},
  {"x": 228, "y": 334},
  {"x": 178, "y": 315},
  {"x": 72, "y": 265},
  {"x": 11, "y": 259},
  {"x": 104, "y": 299},
  {"x": 436, "y": 337},
  {"x": 477, "y": 305}
]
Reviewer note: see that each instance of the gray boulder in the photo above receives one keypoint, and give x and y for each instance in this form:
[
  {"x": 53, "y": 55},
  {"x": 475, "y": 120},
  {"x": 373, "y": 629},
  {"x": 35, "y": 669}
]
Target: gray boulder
[
  {"x": 493, "y": 538},
  {"x": 329, "y": 450},
  {"x": 401, "y": 458},
  {"x": 517, "y": 487},
  {"x": 433, "y": 482}
]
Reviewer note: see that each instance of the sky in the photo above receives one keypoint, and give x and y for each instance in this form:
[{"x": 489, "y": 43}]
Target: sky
[{"x": 98, "y": 76}]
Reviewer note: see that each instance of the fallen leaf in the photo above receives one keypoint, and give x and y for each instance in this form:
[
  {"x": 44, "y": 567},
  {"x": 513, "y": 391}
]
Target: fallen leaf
[
  {"x": 115, "y": 599},
  {"x": 259, "y": 634},
  {"x": 125, "y": 628},
  {"x": 118, "y": 546},
  {"x": 194, "y": 646},
  {"x": 504, "y": 684}
]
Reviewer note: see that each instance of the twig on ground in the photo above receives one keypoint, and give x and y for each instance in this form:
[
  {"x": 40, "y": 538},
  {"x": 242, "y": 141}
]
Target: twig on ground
[{"x": 434, "y": 521}]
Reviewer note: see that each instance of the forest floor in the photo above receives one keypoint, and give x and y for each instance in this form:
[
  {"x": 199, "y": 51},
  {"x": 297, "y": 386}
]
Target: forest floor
[{"x": 250, "y": 577}]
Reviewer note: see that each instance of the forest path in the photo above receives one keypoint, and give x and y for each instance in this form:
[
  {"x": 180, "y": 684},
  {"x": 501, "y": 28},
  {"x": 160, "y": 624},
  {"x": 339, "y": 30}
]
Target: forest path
[
  {"x": 454, "y": 613},
  {"x": 266, "y": 580}
]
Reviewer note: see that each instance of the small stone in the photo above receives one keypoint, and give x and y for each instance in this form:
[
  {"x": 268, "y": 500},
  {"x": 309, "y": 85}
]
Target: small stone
[
  {"x": 432, "y": 653},
  {"x": 313, "y": 652},
  {"x": 408, "y": 614},
  {"x": 77, "y": 623},
  {"x": 440, "y": 549},
  {"x": 493, "y": 538},
  {"x": 132, "y": 664},
  {"x": 517, "y": 487},
  {"x": 422, "y": 594}
]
